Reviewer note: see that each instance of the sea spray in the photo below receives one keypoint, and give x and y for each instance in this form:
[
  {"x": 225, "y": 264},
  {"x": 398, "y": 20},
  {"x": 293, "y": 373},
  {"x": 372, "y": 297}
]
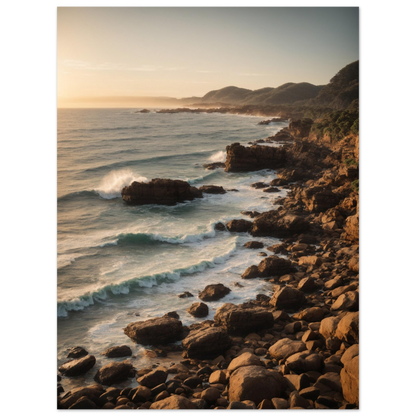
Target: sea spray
[
  {"x": 218, "y": 156},
  {"x": 111, "y": 185}
]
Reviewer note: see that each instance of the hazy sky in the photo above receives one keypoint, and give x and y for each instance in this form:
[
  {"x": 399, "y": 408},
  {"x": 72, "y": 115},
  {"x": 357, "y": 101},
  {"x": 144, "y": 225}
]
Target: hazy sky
[{"x": 182, "y": 52}]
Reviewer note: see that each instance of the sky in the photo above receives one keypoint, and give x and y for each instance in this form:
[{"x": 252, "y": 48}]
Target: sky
[{"x": 104, "y": 54}]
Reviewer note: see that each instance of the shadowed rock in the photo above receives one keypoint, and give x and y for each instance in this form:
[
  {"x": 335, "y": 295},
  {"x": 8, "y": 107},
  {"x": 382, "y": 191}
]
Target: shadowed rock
[
  {"x": 214, "y": 292},
  {"x": 114, "y": 372},
  {"x": 274, "y": 224},
  {"x": 78, "y": 366}
]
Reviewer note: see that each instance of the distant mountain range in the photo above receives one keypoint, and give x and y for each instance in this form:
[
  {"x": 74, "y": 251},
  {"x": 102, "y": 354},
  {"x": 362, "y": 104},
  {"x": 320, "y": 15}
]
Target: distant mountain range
[{"x": 338, "y": 93}]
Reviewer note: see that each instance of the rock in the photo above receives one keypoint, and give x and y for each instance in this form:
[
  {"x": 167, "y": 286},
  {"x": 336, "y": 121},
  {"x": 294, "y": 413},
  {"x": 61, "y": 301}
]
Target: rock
[
  {"x": 305, "y": 361},
  {"x": 280, "y": 403},
  {"x": 243, "y": 318},
  {"x": 347, "y": 301},
  {"x": 354, "y": 264},
  {"x": 186, "y": 295},
  {"x": 331, "y": 380},
  {"x": 244, "y": 360},
  {"x": 83, "y": 403},
  {"x": 78, "y": 366},
  {"x": 218, "y": 376},
  {"x": 239, "y": 226},
  {"x": 274, "y": 224},
  {"x": 350, "y": 380},
  {"x": 159, "y": 191},
  {"x": 348, "y": 328},
  {"x": 298, "y": 402},
  {"x": 240, "y": 405},
  {"x": 310, "y": 393},
  {"x": 313, "y": 314},
  {"x": 206, "y": 342},
  {"x": 154, "y": 331},
  {"x": 153, "y": 379},
  {"x": 193, "y": 382},
  {"x": 271, "y": 190},
  {"x": 214, "y": 292},
  {"x": 145, "y": 110},
  {"x": 141, "y": 394},
  {"x": 255, "y": 383},
  {"x": 77, "y": 352},
  {"x": 114, "y": 352},
  {"x": 92, "y": 392},
  {"x": 307, "y": 285},
  {"x": 210, "y": 395},
  {"x": 270, "y": 266},
  {"x": 350, "y": 353},
  {"x": 244, "y": 159},
  {"x": 214, "y": 165},
  {"x": 173, "y": 402},
  {"x": 352, "y": 225},
  {"x": 287, "y": 298},
  {"x": 212, "y": 189},
  {"x": 219, "y": 226},
  {"x": 329, "y": 326},
  {"x": 319, "y": 198},
  {"x": 297, "y": 382},
  {"x": 286, "y": 347},
  {"x": 114, "y": 372},
  {"x": 259, "y": 185},
  {"x": 254, "y": 244},
  {"x": 314, "y": 261},
  {"x": 198, "y": 309}
]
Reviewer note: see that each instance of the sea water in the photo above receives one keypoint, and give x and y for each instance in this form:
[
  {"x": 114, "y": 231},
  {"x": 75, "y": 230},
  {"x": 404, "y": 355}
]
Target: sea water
[{"x": 118, "y": 263}]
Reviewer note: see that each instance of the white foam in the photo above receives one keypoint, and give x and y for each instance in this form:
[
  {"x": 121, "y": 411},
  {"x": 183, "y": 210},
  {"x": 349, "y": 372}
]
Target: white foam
[
  {"x": 111, "y": 185},
  {"x": 218, "y": 157}
]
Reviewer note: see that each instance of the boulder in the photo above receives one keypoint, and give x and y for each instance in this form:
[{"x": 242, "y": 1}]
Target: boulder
[
  {"x": 78, "y": 366},
  {"x": 115, "y": 352},
  {"x": 287, "y": 298},
  {"x": 243, "y": 318},
  {"x": 214, "y": 292},
  {"x": 305, "y": 361},
  {"x": 307, "y": 284},
  {"x": 159, "y": 191},
  {"x": 77, "y": 352},
  {"x": 319, "y": 198},
  {"x": 313, "y": 314},
  {"x": 92, "y": 392},
  {"x": 328, "y": 326},
  {"x": 173, "y": 402},
  {"x": 350, "y": 380},
  {"x": 214, "y": 165},
  {"x": 286, "y": 347},
  {"x": 212, "y": 189},
  {"x": 352, "y": 226},
  {"x": 270, "y": 266},
  {"x": 154, "y": 331},
  {"x": 314, "y": 261},
  {"x": 244, "y": 360},
  {"x": 206, "y": 342},
  {"x": 153, "y": 379},
  {"x": 255, "y": 383},
  {"x": 346, "y": 302},
  {"x": 239, "y": 226},
  {"x": 245, "y": 159},
  {"x": 274, "y": 224},
  {"x": 198, "y": 309},
  {"x": 348, "y": 328},
  {"x": 114, "y": 372},
  {"x": 254, "y": 244}
]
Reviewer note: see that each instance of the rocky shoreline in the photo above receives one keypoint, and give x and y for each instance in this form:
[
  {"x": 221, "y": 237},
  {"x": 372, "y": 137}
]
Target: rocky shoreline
[{"x": 295, "y": 349}]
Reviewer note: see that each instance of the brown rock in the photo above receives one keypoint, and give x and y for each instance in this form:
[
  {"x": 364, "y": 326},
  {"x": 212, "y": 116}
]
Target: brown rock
[
  {"x": 198, "y": 309},
  {"x": 218, "y": 376},
  {"x": 159, "y": 191},
  {"x": 114, "y": 352},
  {"x": 254, "y": 244},
  {"x": 154, "y": 331},
  {"x": 347, "y": 301},
  {"x": 153, "y": 379},
  {"x": 243, "y": 318},
  {"x": 77, "y": 352},
  {"x": 206, "y": 342},
  {"x": 274, "y": 224},
  {"x": 78, "y": 366},
  {"x": 287, "y": 298},
  {"x": 93, "y": 392},
  {"x": 173, "y": 402},
  {"x": 114, "y": 372},
  {"x": 350, "y": 380},
  {"x": 348, "y": 328},
  {"x": 313, "y": 314},
  {"x": 212, "y": 189},
  {"x": 244, "y": 159},
  {"x": 254, "y": 383},
  {"x": 244, "y": 360},
  {"x": 214, "y": 292},
  {"x": 239, "y": 226},
  {"x": 329, "y": 326},
  {"x": 286, "y": 347}
]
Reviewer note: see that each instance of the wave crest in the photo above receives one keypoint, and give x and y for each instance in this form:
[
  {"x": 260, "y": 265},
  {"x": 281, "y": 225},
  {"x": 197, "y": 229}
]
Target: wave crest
[
  {"x": 111, "y": 185},
  {"x": 218, "y": 157}
]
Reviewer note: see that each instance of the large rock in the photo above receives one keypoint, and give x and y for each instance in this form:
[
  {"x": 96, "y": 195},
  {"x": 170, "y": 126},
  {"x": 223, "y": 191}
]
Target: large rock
[
  {"x": 159, "y": 191},
  {"x": 115, "y": 352},
  {"x": 92, "y": 392},
  {"x": 255, "y": 383},
  {"x": 348, "y": 328},
  {"x": 198, "y": 309},
  {"x": 274, "y": 224},
  {"x": 77, "y": 367},
  {"x": 214, "y": 292},
  {"x": 244, "y": 360},
  {"x": 153, "y": 379},
  {"x": 286, "y": 347},
  {"x": 212, "y": 189},
  {"x": 243, "y": 318},
  {"x": 155, "y": 331},
  {"x": 287, "y": 298},
  {"x": 347, "y": 301},
  {"x": 245, "y": 159},
  {"x": 352, "y": 228},
  {"x": 319, "y": 198},
  {"x": 350, "y": 380},
  {"x": 114, "y": 372},
  {"x": 305, "y": 361},
  {"x": 328, "y": 326},
  {"x": 270, "y": 266},
  {"x": 206, "y": 342},
  {"x": 239, "y": 226},
  {"x": 313, "y": 314},
  {"x": 173, "y": 402}
]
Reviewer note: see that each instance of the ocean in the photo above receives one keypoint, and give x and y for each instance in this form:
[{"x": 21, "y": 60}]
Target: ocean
[{"x": 118, "y": 263}]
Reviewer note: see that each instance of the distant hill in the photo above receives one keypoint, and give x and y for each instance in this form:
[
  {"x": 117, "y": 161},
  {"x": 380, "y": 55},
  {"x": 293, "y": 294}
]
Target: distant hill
[{"x": 338, "y": 94}]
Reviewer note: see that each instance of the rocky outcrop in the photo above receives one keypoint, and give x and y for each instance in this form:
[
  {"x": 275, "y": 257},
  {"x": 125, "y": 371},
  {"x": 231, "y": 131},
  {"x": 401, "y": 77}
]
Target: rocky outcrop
[
  {"x": 300, "y": 128},
  {"x": 154, "y": 331},
  {"x": 206, "y": 342},
  {"x": 153, "y": 378},
  {"x": 244, "y": 318},
  {"x": 115, "y": 352},
  {"x": 275, "y": 224},
  {"x": 245, "y": 159},
  {"x": 270, "y": 266},
  {"x": 159, "y": 191},
  {"x": 198, "y": 309},
  {"x": 239, "y": 226},
  {"x": 214, "y": 165},
  {"x": 287, "y": 298},
  {"x": 212, "y": 189}
]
